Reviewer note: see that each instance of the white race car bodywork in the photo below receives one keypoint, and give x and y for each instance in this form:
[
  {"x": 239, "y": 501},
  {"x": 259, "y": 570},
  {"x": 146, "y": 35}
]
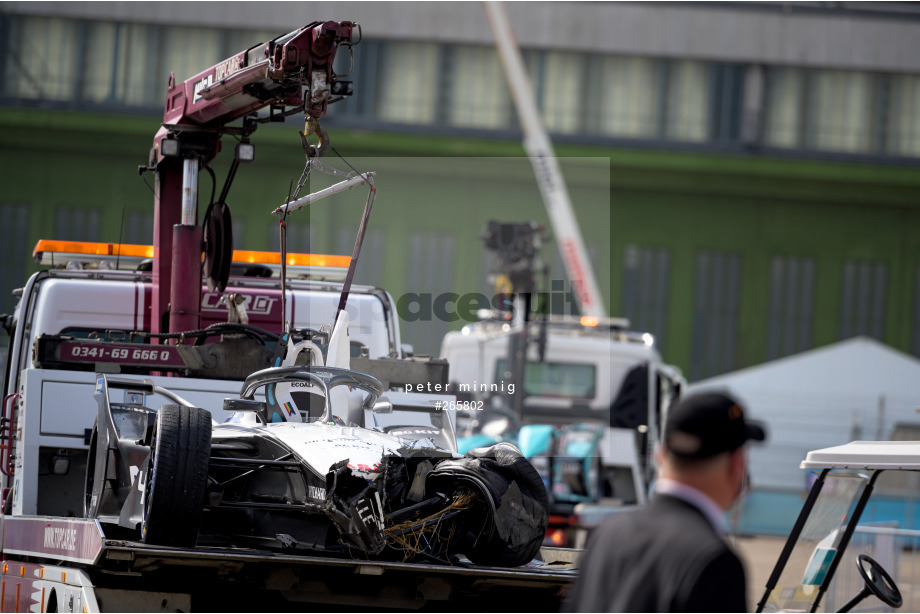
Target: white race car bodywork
[{"x": 324, "y": 463}]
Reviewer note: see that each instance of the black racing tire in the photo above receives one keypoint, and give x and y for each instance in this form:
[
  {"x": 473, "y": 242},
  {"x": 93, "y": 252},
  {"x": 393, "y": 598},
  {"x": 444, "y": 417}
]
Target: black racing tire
[
  {"x": 177, "y": 476},
  {"x": 508, "y": 461},
  {"x": 518, "y": 515}
]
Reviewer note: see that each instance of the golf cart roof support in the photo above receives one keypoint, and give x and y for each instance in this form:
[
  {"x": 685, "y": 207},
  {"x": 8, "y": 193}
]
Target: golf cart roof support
[
  {"x": 845, "y": 540},
  {"x": 792, "y": 539}
]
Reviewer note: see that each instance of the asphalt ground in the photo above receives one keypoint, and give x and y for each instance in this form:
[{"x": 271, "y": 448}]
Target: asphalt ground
[{"x": 759, "y": 554}]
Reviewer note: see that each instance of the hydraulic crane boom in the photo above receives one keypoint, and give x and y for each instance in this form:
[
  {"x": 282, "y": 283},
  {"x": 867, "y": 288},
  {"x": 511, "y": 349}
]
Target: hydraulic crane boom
[
  {"x": 288, "y": 74},
  {"x": 546, "y": 168}
]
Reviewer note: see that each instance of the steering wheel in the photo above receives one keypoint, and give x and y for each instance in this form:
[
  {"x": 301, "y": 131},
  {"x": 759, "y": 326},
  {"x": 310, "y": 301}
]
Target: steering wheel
[{"x": 878, "y": 581}]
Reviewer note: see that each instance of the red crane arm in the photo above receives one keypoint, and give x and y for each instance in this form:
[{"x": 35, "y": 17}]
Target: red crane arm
[
  {"x": 289, "y": 73},
  {"x": 274, "y": 72}
]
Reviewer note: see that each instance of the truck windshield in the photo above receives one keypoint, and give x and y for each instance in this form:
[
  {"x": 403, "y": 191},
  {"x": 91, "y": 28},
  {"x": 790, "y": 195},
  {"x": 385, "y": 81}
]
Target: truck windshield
[
  {"x": 817, "y": 545},
  {"x": 555, "y": 379}
]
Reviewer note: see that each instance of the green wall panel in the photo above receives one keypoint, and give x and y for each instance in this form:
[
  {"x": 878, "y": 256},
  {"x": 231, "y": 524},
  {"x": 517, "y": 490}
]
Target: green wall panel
[{"x": 757, "y": 207}]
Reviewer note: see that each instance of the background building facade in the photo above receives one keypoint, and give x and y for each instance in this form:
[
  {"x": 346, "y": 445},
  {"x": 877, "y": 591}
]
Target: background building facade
[{"x": 747, "y": 175}]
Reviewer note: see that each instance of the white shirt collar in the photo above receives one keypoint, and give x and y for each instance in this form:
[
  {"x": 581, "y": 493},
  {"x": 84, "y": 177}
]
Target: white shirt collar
[{"x": 698, "y": 499}]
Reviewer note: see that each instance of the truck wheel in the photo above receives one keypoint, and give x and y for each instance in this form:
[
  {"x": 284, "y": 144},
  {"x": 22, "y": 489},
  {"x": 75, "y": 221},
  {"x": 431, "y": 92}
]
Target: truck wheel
[{"x": 177, "y": 476}]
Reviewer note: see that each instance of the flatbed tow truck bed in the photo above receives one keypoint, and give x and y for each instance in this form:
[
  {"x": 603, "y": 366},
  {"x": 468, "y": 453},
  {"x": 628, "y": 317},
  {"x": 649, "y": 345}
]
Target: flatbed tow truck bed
[{"x": 243, "y": 578}]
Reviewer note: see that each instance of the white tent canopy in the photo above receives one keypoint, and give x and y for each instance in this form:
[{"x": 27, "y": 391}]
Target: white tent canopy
[{"x": 857, "y": 389}]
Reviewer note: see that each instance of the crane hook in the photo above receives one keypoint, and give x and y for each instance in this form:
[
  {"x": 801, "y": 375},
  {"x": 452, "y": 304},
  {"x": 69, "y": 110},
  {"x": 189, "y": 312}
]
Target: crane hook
[{"x": 311, "y": 125}]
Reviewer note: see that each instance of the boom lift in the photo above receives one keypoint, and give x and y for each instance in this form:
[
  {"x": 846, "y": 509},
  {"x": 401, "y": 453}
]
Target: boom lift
[{"x": 545, "y": 166}]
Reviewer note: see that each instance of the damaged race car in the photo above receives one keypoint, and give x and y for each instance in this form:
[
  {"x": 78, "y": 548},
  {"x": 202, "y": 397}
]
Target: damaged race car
[{"x": 314, "y": 458}]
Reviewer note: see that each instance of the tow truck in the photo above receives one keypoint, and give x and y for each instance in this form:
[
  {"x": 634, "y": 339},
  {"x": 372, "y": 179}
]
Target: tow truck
[{"x": 184, "y": 321}]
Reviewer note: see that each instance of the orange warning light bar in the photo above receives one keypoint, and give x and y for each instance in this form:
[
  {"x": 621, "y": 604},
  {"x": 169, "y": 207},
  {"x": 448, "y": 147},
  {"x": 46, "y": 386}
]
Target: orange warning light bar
[
  {"x": 91, "y": 249},
  {"x": 589, "y": 321},
  {"x": 60, "y": 253},
  {"x": 292, "y": 259}
]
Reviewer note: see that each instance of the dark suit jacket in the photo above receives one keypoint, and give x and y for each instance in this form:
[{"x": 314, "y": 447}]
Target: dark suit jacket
[{"x": 664, "y": 557}]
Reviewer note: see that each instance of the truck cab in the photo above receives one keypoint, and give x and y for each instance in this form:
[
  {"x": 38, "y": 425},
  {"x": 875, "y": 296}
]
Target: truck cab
[
  {"x": 83, "y": 297},
  {"x": 592, "y": 409}
]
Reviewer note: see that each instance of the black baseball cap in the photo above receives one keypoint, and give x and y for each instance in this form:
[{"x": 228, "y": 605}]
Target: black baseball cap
[{"x": 706, "y": 424}]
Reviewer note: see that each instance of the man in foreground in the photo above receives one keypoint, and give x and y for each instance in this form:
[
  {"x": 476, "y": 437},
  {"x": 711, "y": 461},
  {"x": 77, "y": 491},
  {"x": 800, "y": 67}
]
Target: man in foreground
[{"x": 670, "y": 555}]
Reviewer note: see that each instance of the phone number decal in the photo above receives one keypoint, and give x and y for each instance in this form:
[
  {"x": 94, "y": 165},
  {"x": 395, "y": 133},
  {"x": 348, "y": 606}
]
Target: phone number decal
[
  {"x": 99, "y": 352},
  {"x": 119, "y": 353}
]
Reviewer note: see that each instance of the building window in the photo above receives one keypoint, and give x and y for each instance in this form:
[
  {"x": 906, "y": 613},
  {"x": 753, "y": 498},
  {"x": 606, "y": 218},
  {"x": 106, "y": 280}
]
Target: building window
[
  {"x": 105, "y": 62},
  {"x": 42, "y": 59},
  {"x": 479, "y": 94},
  {"x": 135, "y": 67},
  {"x": 101, "y": 45},
  {"x": 903, "y": 118},
  {"x": 630, "y": 88},
  {"x": 785, "y": 95},
  {"x": 189, "y": 51},
  {"x": 715, "y": 314},
  {"x": 687, "y": 101},
  {"x": 83, "y": 64},
  {"x": 862, "y": 303},
  {"x": 561, "y": 97},
  {"x": 829, "y": 110},
  {"x": 842, "y": 111},
  {"x": 791, "y": 310},
  {"x": 409, "y": 84},
  {"x": 645, "y": 290}
]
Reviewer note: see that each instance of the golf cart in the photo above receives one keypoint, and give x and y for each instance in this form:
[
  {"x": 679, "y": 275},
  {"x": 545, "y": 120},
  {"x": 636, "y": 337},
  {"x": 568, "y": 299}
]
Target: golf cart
[{"x": 816, "y": 552}]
